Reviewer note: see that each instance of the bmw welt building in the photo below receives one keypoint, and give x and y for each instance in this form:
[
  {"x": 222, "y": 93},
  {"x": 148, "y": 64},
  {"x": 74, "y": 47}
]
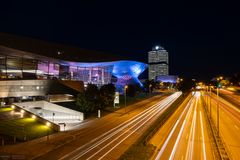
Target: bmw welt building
[{"x": 26, "y": 66}]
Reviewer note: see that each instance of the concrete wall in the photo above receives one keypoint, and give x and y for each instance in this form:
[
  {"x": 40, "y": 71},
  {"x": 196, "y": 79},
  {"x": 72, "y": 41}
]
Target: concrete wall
[
  {"x": 51, "y": 107},
  {"x": 19, "y": 88},
  {"x": 54, "y": 126},
  {"x": 62, "y": 115}
]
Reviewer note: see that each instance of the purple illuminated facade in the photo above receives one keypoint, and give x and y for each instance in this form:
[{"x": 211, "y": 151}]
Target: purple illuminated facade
[{"x": 15, "y": 64}]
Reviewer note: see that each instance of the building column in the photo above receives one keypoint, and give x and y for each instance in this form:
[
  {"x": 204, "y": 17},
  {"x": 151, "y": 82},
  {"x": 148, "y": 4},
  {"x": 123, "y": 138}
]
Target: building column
[
  {"x": 90, "y": 74},
  {"x": 102, "y": 76}
]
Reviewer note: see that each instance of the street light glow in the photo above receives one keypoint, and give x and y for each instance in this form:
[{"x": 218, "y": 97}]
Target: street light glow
[{"x": 48, "y": 124}]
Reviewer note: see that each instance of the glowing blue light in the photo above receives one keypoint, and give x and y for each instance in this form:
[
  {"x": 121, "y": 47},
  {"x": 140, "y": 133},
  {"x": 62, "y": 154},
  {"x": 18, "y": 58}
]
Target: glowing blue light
[{"x": 127, "y": 72}]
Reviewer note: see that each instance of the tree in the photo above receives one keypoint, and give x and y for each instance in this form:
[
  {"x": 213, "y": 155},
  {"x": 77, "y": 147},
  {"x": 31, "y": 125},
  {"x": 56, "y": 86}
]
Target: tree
[
  {"x": 93, "y": 98},
  {"x": 84, "y": 104},
  {"x": 186, "y": 85},
  {"x": 107, "y": 93},
  {"x": 92, "y": 92},
  {"x": 88, "y": 100}
]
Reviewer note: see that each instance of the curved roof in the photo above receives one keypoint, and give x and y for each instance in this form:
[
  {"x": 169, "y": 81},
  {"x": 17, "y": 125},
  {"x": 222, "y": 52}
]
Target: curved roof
[{"x": 49, "y": 49}]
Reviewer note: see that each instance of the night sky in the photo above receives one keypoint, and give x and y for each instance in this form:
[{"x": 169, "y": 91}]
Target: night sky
[{"x": 202, "y": 38}]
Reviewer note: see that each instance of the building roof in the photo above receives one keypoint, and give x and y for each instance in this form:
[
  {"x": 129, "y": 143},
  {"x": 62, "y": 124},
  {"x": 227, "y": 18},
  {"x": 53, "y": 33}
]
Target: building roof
[{"x": 20, "y": 45}]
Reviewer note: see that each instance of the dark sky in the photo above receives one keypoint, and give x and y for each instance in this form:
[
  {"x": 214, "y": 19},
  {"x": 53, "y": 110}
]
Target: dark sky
[{"x": 202, "y": 38}]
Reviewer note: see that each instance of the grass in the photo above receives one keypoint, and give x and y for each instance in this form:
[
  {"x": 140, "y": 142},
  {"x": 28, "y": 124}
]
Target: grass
[
  {"x": 130, "y": 100},
  {"x": 6, "y": 109},
  {"x": 24, "y": 129}
]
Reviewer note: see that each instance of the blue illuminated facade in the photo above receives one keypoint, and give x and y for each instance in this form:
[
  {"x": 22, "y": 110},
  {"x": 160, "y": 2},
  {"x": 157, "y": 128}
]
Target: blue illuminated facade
[
  {"x": 100, "y": 73},
  {"x": 16, "y": 64}
]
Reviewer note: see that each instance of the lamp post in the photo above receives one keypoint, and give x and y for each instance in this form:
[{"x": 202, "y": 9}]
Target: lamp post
[
  {"x": 125, "y": 95},
  {"x": 53, "y": 114},
  {"x": 207, "y": 97},
  {"x": 150, "y": 88},
  {"x": 218, "y": 110},
  {"x": 210, "y": 101}
]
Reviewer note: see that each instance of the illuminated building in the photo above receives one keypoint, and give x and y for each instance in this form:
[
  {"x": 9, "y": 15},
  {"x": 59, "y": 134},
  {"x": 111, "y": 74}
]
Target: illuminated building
[
  {"x": 158, "y": 62},
  {"x": 167, "y": 78},
  {"x": 22, "y": 65}
]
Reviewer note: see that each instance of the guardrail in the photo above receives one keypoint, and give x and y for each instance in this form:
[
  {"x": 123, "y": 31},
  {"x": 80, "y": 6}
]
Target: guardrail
[{"x": 222, "y": 152}]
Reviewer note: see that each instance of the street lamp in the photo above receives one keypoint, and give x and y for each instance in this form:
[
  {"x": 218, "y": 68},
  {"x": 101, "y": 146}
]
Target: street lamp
[
  {"x": 218, "y": 110},
  {"x": 210, "y": 100},
  {"x": 150, "y": 88},
  {"x": 125, "y": 93}
]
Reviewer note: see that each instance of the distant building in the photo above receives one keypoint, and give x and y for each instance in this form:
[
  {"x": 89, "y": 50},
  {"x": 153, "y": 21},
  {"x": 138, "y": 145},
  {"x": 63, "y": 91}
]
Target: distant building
[
  {"x": 167, "y": 78},
  {"x": 158, "y": 62}
]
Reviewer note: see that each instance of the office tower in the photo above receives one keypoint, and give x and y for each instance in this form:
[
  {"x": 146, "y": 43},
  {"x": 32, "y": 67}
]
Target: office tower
[{"x": 158, "y": 62}]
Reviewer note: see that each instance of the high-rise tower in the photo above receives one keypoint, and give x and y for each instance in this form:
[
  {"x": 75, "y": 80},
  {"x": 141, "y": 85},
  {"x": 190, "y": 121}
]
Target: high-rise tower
[{"x": 158, "y": 62}]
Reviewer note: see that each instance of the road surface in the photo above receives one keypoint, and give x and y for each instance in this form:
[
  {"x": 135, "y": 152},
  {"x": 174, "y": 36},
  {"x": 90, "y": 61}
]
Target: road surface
[
  {"x": 112, "y": 136},
  {"x": 187, "y": 133}
]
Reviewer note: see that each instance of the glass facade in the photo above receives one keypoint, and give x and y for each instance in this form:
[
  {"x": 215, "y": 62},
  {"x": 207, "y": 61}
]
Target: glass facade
[
  {"x": 23, "y": 68},
  {"x": 31, "y": 66}
]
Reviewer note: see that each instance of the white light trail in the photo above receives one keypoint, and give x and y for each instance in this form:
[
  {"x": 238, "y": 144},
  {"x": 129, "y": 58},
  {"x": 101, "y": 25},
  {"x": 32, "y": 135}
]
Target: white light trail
[
  {"x": 189, "y": 141},
  {"x": 193, "y": 131},
  {"x": 159, "y": 106},
  {"x": 203, "y": 139},
  {"x": 177, "y": 141},
  {"x": 180, "y": 133},
  {"x": 171, "y": 133},
  {"x": 154, "y": 112}
]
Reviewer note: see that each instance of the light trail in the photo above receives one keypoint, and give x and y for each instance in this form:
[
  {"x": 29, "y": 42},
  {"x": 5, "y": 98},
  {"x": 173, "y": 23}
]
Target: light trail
[
  {"x": 177, "y": 141},
  {"x": 153, "y": 110},
  {"x": 121, "y": 126},
  {"x": 203, "y": 139},
  {"x": 181, "y": 131},
  {"x": 126, "y": 136},
  {"x": 191, "y": 136},
  {"x": 111, "y": 135},
  {"x": 194, "y": 126},
  {"x": 172, "y": 131}
]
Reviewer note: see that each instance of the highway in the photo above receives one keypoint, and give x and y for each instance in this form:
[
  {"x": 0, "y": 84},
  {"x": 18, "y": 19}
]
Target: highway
[
  {"x": 229, "y": 124},
  {"x": 112, "y": 139},
  {"x": 231, "y": 95},
  {"x": 185, "y": 135}
]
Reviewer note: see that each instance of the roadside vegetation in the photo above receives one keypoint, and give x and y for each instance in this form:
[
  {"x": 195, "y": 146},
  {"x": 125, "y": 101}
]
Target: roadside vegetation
[
  {"x": 94, "y": 98},
  {"x": 5, "y": 109}
]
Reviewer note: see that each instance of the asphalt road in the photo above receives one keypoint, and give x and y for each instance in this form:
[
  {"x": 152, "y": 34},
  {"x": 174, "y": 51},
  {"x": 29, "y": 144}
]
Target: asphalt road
[
  {"x": 187, "y": 133},
  {"x": 110, "y": 136},
  {"x": 233, "y": 96},
  {"x": 229, "y": 124}
]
